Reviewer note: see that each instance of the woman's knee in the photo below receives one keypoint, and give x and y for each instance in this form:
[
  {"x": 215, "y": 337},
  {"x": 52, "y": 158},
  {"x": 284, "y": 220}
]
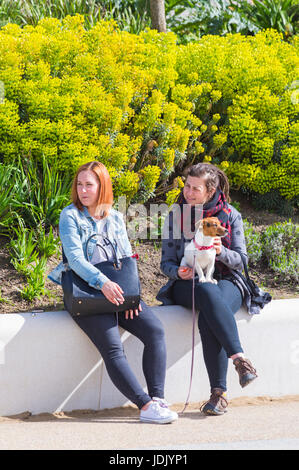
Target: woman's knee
[
  {"x": 154, "y": 332},
  {"x": 111, "y": 350},
  {"x": 206, "y": 294},
  {"x": 154, "y": 335},
  {"x": 151, "y": 324}
]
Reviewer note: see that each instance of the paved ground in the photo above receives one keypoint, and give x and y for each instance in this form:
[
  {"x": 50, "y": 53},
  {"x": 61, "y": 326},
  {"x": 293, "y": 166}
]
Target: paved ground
[{"x": 257, "y": 425}]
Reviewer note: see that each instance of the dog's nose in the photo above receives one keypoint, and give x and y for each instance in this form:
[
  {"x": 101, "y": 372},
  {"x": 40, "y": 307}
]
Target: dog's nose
[{"x": 222, "y": 232}]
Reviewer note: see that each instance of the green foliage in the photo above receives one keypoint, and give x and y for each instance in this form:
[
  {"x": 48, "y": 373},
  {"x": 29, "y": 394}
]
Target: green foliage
[
  {"x": 190, "y": 20},
  {"x": 30, "y": 250},
  {"x": 23, "y": 250},
  {"x": 35, "y": 285},
  {"x": 281, "y": 248},
  {"x": 277, "y": 247},
  {"x": 47, "y": 243},
  {"x": 30, "y": 12},
  {"x": 7, "y": 184},
  {"x": 147, "y": 108},
  {"x": 41, "y": 194},
  {"x": 131, "y": 16},
  {"x": 282, "y": 15},
  {"x": 273, "y": 202},
  {"x": 253, "y": 243}
]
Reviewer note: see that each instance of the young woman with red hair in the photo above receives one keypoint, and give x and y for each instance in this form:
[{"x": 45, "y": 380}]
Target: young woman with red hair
[{"x": 91, "y": 212}]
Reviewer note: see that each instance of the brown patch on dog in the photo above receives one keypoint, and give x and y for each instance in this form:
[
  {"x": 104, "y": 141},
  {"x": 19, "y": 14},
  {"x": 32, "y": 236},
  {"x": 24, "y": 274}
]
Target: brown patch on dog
[{"x": 212, "y": 228}]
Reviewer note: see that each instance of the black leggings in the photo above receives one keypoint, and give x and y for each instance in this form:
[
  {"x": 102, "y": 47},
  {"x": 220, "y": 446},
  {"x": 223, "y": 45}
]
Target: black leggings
[
  {"x": 217, "y": 304},
  {"x": 104, "y": 333}
]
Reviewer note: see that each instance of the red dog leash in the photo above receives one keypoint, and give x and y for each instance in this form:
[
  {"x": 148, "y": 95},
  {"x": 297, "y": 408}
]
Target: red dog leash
[
  {"x": 200, "y": 248},
  {"x": 193, "y": 336}
]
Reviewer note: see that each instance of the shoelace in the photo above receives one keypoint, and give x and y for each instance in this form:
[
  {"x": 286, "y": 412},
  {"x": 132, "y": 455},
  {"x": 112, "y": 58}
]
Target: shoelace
[
  {"x": 162, "y": 402},
  {"x": 243, "y": 363},
  {"x": 213, "y": 399},
  {"x": 156, "y": 407}
]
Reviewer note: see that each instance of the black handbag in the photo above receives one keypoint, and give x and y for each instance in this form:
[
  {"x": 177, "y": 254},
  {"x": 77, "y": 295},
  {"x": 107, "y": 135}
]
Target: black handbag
[{"x": 82, "y": 299}]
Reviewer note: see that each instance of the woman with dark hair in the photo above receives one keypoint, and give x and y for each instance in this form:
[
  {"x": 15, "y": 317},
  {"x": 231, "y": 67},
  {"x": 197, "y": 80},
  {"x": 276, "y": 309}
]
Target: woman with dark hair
[
  {"x": 91, "y": 213},
  {"x": 206, "y": 194}
]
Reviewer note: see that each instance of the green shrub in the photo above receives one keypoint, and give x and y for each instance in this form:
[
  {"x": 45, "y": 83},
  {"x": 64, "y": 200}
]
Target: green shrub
[
  {"x": 7, "y": 184},
  {"x": 281, "y": 15},
  {"x": 276, "y": 247},
  {"x": 35, "y": 282},
  {"x": 30, "y": 250},
  {"x": 281, "y": 249},
  {"x": 23, "y": 250},
  {"x": 40, "y": 194},
  {"x": 253, "y": 243},
  {"x": 273, "y": 202},
  {"x": 145, "y": 106}
]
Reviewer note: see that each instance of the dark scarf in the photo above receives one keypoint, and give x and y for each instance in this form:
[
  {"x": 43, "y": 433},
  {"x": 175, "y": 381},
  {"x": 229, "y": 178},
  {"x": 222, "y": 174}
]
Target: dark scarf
[{"x": 216, "y": 207}]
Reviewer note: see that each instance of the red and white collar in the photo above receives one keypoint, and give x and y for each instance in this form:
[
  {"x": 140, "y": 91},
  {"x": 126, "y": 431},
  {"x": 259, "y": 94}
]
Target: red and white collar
[{"x": 202, "y": 247}]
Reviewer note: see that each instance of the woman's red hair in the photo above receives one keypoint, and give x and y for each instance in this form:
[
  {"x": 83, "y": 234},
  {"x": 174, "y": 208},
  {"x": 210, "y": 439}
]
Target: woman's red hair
[{"x": 106, "y": 193}]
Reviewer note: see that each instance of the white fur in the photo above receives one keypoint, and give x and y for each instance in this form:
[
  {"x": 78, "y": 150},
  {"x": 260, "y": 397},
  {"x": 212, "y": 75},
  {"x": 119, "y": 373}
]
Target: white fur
[
  {"x": 204, "y": 263},
  {"x": 204, "y": 259}
]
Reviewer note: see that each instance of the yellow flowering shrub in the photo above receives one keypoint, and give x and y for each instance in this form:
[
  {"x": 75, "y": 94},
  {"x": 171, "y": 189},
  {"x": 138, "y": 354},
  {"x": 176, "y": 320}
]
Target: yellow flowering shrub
[
  {"x": 172, "y": 195},
  {"x": 150, "y": 174},
  {"x": 147, "y": 107},
  {"x": 257, "y": 139}
]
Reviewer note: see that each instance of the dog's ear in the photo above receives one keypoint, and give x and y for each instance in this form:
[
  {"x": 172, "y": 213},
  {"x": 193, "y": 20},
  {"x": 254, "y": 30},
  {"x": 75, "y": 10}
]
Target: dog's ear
[{"x": 199, "y": 224}]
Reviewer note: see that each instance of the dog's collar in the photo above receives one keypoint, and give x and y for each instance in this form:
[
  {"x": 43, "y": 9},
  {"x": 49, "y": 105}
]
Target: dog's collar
[{"x": 202, "y": 247}]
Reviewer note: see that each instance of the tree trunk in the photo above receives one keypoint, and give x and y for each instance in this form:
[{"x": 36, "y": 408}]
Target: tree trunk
[{"x": 157, "y": 8}]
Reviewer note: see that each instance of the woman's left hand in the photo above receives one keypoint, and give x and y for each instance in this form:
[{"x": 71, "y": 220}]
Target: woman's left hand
[
  {"x": 217, "y": 245},
  {"x": 130, "y": 313}
]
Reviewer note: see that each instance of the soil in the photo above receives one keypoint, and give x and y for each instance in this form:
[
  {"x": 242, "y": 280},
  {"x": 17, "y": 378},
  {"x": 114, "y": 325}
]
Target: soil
[{"x": 151, "y": 277}]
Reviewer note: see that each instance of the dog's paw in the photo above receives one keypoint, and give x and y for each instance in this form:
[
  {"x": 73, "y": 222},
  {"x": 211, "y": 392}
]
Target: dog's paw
[{"x": 213, "y": 281}]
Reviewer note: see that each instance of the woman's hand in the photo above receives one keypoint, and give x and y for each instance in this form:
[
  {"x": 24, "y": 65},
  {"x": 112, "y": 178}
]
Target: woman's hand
[
  {"x": 217, "y": 245},
  {"x": 113, "y": 292},
  {"x": 185, "y": 273},
  {"x": 130, "y": 313}
]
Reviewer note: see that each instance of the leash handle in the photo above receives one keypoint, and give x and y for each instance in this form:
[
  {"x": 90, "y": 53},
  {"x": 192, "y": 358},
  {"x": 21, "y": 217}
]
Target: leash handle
[{"x": 193, "y": 336}]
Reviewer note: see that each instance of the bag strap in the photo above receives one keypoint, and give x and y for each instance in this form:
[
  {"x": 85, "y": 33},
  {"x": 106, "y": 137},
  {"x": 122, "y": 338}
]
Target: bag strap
[
  {"x": 116, "y": 261},
  {"x": 106, "y": 239},
  {"x": 245, "y": 265},
  {"x": 251, "y": 283}
]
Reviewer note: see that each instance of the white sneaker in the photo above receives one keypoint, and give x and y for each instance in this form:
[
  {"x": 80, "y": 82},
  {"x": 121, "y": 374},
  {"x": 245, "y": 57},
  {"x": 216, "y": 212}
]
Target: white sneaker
[
  {"x": 157, "y": 414},
  {"x": 164, "y": 404},
  {"x": 161, "y": 401}
]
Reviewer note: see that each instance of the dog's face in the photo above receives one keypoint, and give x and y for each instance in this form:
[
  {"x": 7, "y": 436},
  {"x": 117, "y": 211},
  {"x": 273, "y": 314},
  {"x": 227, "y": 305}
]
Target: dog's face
[{"x": 211, "y": 227}]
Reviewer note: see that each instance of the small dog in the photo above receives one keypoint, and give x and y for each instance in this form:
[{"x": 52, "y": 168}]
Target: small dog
[{"x": 202, "y": 248}]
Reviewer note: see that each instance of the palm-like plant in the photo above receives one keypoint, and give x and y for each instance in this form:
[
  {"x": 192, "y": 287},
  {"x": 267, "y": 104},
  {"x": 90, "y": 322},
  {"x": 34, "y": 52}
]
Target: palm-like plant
[
  {"x": 31, "y": 11},
  {"x": 41, "y": 195},
  {"x": 282, "y": 15},
  {"x": 7, "y": 184}
]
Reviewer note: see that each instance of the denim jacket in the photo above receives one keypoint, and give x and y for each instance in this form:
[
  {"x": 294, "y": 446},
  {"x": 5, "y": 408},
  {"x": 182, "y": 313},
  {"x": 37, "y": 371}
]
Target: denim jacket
[{"x": 75, "y": 228}]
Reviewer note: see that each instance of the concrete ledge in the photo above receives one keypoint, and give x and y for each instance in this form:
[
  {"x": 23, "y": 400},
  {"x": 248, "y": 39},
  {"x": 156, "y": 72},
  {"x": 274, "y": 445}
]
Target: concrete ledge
[{"x": 48, "y": 364}]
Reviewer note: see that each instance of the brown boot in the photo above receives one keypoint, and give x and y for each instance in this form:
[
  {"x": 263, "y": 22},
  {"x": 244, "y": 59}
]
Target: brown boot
[
  {"x": 217, "y": 403},
  {"x": 246, "y": 371}
]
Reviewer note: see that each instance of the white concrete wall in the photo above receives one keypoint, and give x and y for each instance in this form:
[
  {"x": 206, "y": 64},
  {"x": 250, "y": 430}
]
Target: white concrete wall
[{"x": 48, "y": 364}]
